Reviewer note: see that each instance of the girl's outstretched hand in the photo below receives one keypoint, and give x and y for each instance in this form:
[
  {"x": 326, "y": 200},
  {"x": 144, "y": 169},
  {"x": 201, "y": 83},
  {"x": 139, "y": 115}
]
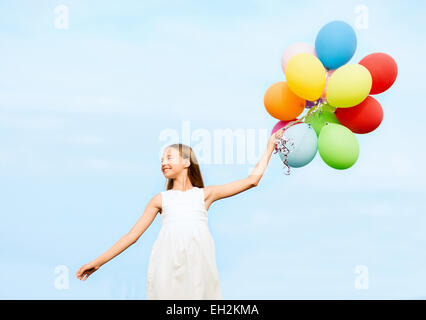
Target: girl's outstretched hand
[
  {"x": 85, "y": 271},
  {"x": 273, "y": 139}
]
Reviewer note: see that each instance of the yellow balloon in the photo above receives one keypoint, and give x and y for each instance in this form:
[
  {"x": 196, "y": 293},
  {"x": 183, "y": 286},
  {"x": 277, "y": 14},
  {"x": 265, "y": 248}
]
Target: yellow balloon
[
  {"x": 348, "y": 86},
  {"x": 305, "y": 76}
]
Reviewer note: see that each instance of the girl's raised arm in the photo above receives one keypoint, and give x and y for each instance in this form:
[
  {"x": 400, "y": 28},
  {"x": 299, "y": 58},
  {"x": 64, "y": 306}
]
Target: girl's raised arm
[
  {"x": 216, "y": 192},
  {"x": 148, "y": 216}
]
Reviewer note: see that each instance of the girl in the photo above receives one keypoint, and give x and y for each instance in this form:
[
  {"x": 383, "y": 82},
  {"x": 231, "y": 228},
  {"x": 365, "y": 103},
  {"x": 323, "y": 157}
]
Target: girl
[{"x": 182, "y": 263}]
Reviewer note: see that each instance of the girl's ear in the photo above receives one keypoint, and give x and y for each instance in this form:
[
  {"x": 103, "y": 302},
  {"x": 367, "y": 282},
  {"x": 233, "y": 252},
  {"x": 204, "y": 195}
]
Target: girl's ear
[{"x": 187, "y": 163}]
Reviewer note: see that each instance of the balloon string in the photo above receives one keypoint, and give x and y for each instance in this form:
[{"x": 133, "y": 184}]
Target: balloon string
[
  {"x": 285, "y": 145},
  {"x": 315, "y": 108},
  {"x": 317, "y": 105}
]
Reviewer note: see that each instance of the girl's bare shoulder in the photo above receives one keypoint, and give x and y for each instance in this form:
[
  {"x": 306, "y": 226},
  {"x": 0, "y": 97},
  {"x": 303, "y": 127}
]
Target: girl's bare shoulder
[{"x": 157, "y": 200}]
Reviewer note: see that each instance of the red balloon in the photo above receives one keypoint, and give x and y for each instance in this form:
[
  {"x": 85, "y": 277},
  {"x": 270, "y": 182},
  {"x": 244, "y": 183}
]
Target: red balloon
[
  {"x": 383, "y": 70},
  {"x": 362, "y": 118}
]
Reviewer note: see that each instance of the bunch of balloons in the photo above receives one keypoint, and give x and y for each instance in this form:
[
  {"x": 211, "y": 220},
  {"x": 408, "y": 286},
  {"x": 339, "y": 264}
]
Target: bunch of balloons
[{"x": 338, "y": 97}]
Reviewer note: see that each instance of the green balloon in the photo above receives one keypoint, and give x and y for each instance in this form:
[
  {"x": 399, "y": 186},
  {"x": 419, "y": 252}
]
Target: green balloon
[
  {"x": 318, "y": 119},
  {"x": 329, "y": 108},
  {"x": 338, "y": 146}
]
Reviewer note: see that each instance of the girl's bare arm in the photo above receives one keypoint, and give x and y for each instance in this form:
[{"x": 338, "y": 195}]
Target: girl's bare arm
[
  {"x": 148, "y": 216},
  {"x": 216, "y": 192}
]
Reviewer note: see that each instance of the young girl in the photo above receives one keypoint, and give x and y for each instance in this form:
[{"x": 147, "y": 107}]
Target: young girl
[{"x": 182, "y": 264}]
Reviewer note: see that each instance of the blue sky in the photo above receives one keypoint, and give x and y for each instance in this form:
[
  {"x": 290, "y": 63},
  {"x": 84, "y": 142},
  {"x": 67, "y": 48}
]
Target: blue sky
[{"x": 81, "y": 115}]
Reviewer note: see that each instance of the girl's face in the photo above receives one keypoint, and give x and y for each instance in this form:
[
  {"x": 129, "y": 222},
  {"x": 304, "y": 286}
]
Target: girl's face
[{"x": 172, "y": 163}]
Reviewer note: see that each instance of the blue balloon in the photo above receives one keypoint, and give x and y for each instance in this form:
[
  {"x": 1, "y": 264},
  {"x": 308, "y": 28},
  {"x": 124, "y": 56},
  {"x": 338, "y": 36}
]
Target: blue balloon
[
  {"x": 335, "y": 44},
  {"x": 305, "y": 144}
]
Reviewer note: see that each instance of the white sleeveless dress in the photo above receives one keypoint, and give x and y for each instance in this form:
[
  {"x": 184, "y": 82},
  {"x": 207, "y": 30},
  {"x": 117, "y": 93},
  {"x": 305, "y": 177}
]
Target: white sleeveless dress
[{"x": 182, "y": 263}]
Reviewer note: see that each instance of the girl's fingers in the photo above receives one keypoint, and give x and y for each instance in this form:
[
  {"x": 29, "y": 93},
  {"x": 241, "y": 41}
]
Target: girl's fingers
[
  {"x": 81, "y": 270},
  {"x": 81, "y": 273},
  {"x": 84, "y": 272},
  {"x": 88, "y": 274}
]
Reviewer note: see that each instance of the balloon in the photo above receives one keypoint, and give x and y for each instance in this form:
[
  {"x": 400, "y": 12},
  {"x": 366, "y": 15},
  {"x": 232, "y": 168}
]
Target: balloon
[
  {"x": 305, "y": 144},
  {"x": 305, "y": 76},
  {"x": 281, "y": 103},
  {"x": 338, "y": 146},
  {"x": 348, "y": 86},
  {"x": 383, "y": 70},
  {"x": 335, "y": 44},
  {"x": 329, "y": 108},
  {"x": 294, "y": 49},
  {"x": 362, "y": 118},
  {"x": 328, "y": 75},
  {"x": 318, "y": 119},
  {"x": 280, "y": 124}
]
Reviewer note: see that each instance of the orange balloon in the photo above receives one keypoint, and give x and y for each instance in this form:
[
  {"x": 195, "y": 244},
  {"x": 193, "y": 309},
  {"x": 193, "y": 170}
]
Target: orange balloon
[{"x": 282, "y": 103}]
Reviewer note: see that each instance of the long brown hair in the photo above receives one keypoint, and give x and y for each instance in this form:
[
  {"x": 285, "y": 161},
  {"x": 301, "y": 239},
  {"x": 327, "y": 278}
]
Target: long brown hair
[{"x": 194, "y": 172}]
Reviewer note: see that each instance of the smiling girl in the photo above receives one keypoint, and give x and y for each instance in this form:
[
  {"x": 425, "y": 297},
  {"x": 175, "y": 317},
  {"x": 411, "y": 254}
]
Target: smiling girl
[{"x": 182, "y": 263}]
